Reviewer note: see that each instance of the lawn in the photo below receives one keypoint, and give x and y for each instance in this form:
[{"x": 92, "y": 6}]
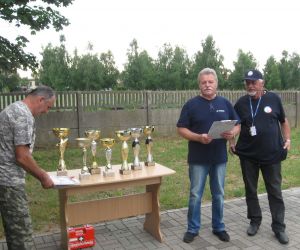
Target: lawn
[{"x": 168, "y": 151}]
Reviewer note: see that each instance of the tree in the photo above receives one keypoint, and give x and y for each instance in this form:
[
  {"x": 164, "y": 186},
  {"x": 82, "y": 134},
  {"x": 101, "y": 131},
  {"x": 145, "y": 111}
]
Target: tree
[
  {"x": 87, "y": 72},
  {"x": 9, "y": 81},
  {"x": 139, "y": 71},
  {"x": 54, "y": 70},
  {"x": 294, "y": 68},
  {"x": 209, "y": 57},
  {"x": 272, "y": 74},
  {"x": 244, "y": 62},
  {"x": 110, "y": 71},
  {"x": 36, "y": 18},
  {"x": 172, "y": 68}
]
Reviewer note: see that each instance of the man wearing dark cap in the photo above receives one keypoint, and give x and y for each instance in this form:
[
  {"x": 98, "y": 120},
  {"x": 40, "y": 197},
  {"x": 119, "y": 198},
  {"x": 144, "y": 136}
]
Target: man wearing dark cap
[{"x": 263, "y": 143}]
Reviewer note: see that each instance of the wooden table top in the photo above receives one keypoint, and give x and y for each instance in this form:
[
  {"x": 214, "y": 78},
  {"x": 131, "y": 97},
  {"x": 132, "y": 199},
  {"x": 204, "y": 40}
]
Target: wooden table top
[{"x": 98, "y": 179}]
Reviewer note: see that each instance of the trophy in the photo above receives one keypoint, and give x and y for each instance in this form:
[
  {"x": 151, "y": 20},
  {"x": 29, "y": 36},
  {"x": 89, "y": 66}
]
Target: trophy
[
  {"x": 93, "y": 135},
  {"x": 108, "y": 144},
  {"x": 135, "y": 133},
  {"x": 62, "y": 134},
  {"x": 124, "y": 135},
  {"x": 84, "y": 143},
  {"x": 149, "y": 143}
]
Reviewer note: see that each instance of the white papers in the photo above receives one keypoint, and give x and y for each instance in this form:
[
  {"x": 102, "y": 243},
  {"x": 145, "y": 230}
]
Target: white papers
[
  {"x": 60, "y": 181},
  {"x": 218, "y": 127}
]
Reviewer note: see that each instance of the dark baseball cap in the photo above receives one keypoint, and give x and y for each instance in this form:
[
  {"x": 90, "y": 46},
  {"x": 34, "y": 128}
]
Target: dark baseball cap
[{"x": 253, "y": 75}]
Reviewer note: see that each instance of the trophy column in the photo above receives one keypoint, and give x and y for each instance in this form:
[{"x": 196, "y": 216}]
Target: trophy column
[
  {"x": 94, "y": 135},
  {"x": 62, "y": 134},
  {"x": 124, "y": 136},
  {"x": 136, "y": 133},
  {"x": 108, "y": 143},
  {"x": 149, "y": 144},
  {"x": 84, "y": 143}
]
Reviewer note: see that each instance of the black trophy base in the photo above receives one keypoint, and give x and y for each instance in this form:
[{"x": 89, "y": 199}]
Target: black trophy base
[
  {"x": 149, "y": 164},
  {"x": 96, "y": 170},
  {"x": 138, "y": 167},
  {"x": 125, "y": 171}
]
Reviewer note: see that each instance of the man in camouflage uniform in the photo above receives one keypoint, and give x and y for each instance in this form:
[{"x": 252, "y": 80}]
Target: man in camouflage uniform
[{"x": 17, "y": 136}]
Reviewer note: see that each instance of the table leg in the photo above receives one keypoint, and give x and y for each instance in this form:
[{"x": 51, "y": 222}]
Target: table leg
[
  {"x": 152, "y": 220},
  {"x": 63, "y": 218}
]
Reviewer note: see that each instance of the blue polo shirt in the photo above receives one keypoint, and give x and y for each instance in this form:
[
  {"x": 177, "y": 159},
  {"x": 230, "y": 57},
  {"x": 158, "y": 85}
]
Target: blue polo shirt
[{"x": 197, "y": 115}]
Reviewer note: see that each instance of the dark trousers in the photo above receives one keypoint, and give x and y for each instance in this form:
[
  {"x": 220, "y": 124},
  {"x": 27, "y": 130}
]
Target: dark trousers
[
  {"x": 272, "y": 178},
  {"x": 15, "y": 217}
]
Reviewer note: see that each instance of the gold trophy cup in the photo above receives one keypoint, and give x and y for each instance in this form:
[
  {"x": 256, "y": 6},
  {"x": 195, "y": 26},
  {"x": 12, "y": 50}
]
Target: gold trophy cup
[
  {"x": 124, "y": 136},
  {"x": 136, "y": 133},
  {"x": 94, "y": 135},
  {"x": 108, "y": 143},
  {"x": 149, "y": 143},
  {"x": 84, "y": 143},
  {"x": 62, "y": 134}
]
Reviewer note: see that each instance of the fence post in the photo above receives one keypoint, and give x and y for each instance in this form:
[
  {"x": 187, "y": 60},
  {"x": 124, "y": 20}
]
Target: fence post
[
  {"x": 297, "y": 123},
  {"x": 79, "y": 113},
  {"x": 148, "y": 107}
]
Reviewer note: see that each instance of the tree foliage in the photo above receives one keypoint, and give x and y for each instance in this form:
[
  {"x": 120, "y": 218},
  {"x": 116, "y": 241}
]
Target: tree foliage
[
  {"x": 209, "y": 57},
  {"x": 172, "y": 68},
  {"x": 138, "y": 72},
  {"x": 35, "y": 17},
  {"x": 54, "y": 70},
  {"x": 245, "y": 61},
  {"x": 272, "y": 74}
]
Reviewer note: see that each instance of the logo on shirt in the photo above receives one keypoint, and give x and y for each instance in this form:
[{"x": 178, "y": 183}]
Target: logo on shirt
[
  {"x": 220, "y": 110},
  {"x": 267, "y": 109}
]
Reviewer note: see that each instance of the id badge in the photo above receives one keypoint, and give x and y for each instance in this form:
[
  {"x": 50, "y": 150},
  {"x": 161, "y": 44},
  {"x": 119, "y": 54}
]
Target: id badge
[{"x": 253, "y": 131}]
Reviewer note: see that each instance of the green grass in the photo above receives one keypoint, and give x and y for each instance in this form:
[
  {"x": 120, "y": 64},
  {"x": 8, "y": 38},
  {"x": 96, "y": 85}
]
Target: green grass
[{"x": 168, "y": 151}]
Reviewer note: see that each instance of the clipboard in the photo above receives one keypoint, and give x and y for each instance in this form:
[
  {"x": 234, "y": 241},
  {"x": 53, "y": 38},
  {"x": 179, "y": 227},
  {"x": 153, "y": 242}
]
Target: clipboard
[{"x": 218, "y": 127}]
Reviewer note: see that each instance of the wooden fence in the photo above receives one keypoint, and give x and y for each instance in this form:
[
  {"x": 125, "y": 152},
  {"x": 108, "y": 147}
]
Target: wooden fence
[
  {"x": 107, "y": 100},
  {"x": 114, "y": 110}
]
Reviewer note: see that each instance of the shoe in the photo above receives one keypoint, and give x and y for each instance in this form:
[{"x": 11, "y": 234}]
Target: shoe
[
  {"x": 189, "y": 237},
  {"x": 222, "y": 235},
  {"x": 282, "y": 237},
  {"x": 252, "y": 229}
]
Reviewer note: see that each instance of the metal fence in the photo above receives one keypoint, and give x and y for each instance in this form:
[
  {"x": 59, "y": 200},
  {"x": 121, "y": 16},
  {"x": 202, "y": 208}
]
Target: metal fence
[{"x": 97, "y": 100}]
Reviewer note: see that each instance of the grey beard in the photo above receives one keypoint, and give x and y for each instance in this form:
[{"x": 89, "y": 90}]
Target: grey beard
[{"x": 252, "y": 93}]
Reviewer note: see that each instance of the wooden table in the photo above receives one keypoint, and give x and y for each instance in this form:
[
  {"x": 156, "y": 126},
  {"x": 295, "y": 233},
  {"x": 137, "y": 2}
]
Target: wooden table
[{"x": 92, "y": 211}]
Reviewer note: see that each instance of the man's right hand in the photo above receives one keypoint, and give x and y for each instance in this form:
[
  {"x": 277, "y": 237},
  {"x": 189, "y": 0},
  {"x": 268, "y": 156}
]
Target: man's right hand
[
  {"x": 205, "y": 139},
  {"x": 232, "y": 149},
  {"x": 46, "y": 181}
]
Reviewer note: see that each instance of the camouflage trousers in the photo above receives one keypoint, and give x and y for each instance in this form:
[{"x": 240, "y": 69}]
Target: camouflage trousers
[{"x": 15, "y": 217}]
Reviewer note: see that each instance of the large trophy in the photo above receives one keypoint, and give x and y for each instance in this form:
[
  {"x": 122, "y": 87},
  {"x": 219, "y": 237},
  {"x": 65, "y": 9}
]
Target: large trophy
[
  {"x": 62, "y": 134},
  {"x": 124, "y": 136},
  {"x": 108, "y": 143},
  {"x": 84, "y": 143},
  {"x": 149, "y": 143},
  {"x": 94, "y": 135},
  {"x": 136, "y": 133}
]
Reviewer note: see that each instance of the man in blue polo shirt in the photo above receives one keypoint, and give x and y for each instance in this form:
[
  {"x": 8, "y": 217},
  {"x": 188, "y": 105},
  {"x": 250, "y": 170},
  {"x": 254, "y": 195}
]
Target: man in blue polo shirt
[{"x": 205, "y": 155}]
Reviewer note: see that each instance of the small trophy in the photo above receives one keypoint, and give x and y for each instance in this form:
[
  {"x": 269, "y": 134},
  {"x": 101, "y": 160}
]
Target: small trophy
[
  {"x": 62, "y": 134},
  {"x": 124, "y": 136},
  {"x": 94, "y": 135},
  {"x": 149, "y": 143},
  {"x": 84, "y": 143},
  {"x": 108, "y": 143},
  {"x": 135, "y": 133}
]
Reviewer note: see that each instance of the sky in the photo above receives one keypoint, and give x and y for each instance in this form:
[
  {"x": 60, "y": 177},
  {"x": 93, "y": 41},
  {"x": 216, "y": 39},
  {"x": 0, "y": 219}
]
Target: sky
[{"x": 263, "y": 28}]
